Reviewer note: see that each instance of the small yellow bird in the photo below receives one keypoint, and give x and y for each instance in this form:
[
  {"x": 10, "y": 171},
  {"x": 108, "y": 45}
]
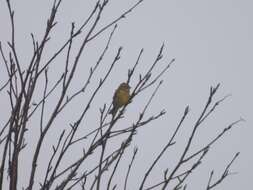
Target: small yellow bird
[{"x": 121, "y": 97}]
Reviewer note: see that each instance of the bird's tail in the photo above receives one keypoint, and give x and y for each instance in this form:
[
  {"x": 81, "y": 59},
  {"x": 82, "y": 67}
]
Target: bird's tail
[{"x": 113, "y": 110}]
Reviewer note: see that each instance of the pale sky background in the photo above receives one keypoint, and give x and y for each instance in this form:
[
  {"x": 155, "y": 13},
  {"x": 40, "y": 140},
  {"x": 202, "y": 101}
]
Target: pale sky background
[{"x": 212, "y": 42}]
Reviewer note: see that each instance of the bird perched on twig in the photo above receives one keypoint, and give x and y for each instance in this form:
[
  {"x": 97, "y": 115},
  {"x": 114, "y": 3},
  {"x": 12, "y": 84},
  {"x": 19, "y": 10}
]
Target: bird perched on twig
[{"x": 121, "y": 97}]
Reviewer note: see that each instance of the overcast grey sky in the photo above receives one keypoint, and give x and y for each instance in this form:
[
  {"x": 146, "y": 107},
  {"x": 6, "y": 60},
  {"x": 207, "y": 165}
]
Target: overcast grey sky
[{"x": 212, "y": 42}]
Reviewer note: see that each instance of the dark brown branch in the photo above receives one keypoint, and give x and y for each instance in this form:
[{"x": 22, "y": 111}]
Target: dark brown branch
[
  {"x": 224, "y": 175},
  {"x": 131, "y": 71},
  {"x": 129, "y": 168},
  {"x": 92, "y": 71},
  {"x": 114, "y": 169},
  {"x": 196, "y": 126},
  {"x": 79, "y": 162},
  {"x": 46, "y": 185},
  {"x": 221, "y": 134},
  {"x": 58, "y": 52},
  {"x": 116, "y": 20},
  {"x": 170, "y": 143}
]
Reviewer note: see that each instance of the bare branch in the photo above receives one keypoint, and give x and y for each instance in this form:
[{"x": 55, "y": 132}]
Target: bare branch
[
  {"x": 129, "y": 168},
  {"x": 225, "y": 174},
  {"x": 116, "y": 20}
]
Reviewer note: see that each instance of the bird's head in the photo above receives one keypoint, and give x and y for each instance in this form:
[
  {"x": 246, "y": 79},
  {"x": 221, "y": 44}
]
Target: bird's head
[{"x": 124, "y": 86}]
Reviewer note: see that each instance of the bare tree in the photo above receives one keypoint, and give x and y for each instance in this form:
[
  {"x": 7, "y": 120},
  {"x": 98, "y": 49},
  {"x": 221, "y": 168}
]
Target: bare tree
[{"x": 25, "y": 82}]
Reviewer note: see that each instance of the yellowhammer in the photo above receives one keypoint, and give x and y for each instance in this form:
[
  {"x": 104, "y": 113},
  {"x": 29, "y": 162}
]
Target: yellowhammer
[{"x": 120, "y": 98}]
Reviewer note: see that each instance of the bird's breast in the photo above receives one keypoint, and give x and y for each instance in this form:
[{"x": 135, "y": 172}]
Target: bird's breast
[{"x": 123, "y": 97}]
